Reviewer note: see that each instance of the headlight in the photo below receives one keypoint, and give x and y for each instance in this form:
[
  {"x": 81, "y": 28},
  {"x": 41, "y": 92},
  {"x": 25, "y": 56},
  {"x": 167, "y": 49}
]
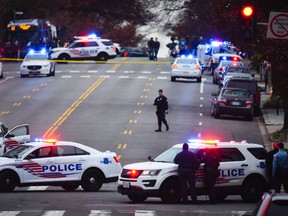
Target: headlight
[{"x": 151, "y": 172}]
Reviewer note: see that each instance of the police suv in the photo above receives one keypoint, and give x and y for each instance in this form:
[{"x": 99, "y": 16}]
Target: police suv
[
  {"x": 58, "y": 163},
  {"x": 85, "y": 48},
  {"x": 241, "y": 171}
]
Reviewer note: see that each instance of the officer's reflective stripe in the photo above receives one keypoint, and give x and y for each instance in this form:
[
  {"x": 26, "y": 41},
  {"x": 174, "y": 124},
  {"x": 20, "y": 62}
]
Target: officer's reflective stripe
[
  {"x": 61, "y": 167},
  {"x": 54, "y": 213},
  {"x": 9, "y": 213}
]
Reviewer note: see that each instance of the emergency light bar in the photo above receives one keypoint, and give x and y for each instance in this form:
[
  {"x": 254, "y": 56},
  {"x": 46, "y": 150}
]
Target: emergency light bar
[
  {"x": 209, "y": 142},
  {"x": 52, "y": 141}
]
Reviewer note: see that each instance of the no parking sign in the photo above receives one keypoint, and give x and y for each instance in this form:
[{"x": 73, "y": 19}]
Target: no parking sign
[{"x": 278, "y": 25}]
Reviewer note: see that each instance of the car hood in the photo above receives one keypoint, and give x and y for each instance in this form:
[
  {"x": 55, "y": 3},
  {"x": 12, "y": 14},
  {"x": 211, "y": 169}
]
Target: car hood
[
  {"x": 35, "y": 62},
  {"x": 150, "y": 165}
]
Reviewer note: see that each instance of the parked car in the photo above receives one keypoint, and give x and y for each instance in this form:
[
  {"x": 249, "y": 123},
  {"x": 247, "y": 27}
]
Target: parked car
[
  {"x": 232, "y": 101},
  {"x": 272, "y": 204},
  {"x": 249, "y": 84},
  {"x": 133, "y": 52}
]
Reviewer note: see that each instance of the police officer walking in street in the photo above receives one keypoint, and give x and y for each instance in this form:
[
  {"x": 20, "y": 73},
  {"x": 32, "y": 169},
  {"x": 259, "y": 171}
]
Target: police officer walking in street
[
  {"x": 188, "y": 163},
  {"x": 280, "y": 169},
  {"x": 162, "y": 109},
  {"x": 269, "y": 163}
]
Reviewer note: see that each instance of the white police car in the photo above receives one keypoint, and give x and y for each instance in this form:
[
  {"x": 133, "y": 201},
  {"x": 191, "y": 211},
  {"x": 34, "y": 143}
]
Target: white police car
[
  {"x": 37, "y": 63},
  {"x": 58, "y": 163},
  {"x": 85, "y": 48},
  {"x": 242, "y": 171}
]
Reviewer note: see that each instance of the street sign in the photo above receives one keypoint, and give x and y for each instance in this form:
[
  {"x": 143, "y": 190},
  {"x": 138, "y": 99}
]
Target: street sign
[{"x": 278, "y": 25}]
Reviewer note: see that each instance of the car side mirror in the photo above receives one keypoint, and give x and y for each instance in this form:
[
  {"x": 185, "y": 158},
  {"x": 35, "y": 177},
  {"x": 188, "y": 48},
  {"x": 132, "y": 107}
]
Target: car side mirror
[{"x": 150, "y": 158}]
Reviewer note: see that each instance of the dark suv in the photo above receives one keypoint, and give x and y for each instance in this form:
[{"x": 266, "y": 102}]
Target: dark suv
[{"x": 251, "y": 86}]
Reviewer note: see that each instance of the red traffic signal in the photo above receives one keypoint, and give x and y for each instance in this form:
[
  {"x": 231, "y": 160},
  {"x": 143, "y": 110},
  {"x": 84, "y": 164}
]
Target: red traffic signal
[{"x": 247, "y": 11}]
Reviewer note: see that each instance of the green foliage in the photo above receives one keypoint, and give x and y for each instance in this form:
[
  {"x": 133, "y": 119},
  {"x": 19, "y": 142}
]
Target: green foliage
[
  {"x": 281, "y": 135},
  {"x": 272, "y": 103}
]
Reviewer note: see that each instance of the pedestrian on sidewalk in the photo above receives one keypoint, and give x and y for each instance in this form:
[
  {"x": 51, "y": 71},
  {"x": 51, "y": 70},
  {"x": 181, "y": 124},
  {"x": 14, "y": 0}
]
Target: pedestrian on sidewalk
[
  {"x": 280, "y": 169},
  {"x": 156, "y": 48},
  {"x": 151, "y": 45},
  {"x": 269, "y": 163},
  {"x": 188, "y": 163},
  {"x": 162, "y": 109}
]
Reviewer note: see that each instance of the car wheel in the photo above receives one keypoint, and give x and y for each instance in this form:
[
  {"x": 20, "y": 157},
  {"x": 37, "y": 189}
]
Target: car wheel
[
  {"x": 216, "y": 113},
  {"x": 170, "y": 191},
  {"x": 211, "y": 110},
  {"x": 92, "y": 180},
  {"x": 102, "y": 57},
  {"x": 252, "y": 190},
  {"x": 173, "y": 79},
  {"x": 1, "y": 75},
  {"x": 64, "y": 58},
  {"x": 137, "y": 197},
  {"x": 70, "y": 187},
  {"x": 8, "y": 181}
]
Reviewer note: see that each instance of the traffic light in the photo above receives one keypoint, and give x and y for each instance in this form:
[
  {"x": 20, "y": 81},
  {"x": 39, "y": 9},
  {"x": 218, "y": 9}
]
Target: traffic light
[{"x": 248, "y": 23}]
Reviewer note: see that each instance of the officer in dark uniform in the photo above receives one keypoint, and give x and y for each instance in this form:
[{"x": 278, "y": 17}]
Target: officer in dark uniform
[
  {"x": 269, "y": 162},
  {"x": 280, "y": 169},
  {"x": 211, "y": 162},
  {"x": 188, "y": 163},
  {"x": 162, "y": 109}
]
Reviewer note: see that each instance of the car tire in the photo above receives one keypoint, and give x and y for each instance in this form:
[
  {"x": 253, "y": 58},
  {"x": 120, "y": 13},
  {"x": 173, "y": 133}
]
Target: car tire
[
  {"x": 92, "y": 180},
  {"x": 137, "y": 197},
  {"x": 252, "y": 190},
  {"x": 170, "y": 191},
  {"x": 8, "y": 181},
  {"x": 1, "y": 75},
  {"x": 173, "y": 79},
  {"x": 216, "y": 113},
  {"x": 70, "y": 187},
  {"x": 63, "y": 57},
  {"x": 102, "y": 57},
  {"x": 211, "y": 110}
]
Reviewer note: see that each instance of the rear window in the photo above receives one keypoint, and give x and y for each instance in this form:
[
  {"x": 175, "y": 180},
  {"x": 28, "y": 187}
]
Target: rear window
[
  {"x": 234, "y": 93},
  {"x": 107, "y": 43},
  {"x": 186, "y": 61},
  {"x": 231, "y": 154},
  {"x": 259, "y": 153},
  {"x": 251, "y": 86}
]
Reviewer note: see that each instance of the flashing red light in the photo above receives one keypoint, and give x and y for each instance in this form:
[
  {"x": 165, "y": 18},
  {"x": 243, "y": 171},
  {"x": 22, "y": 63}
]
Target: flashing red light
[
  {"x": 134, "y": 173},
  {"x": 247, "y": 11},
  {"x": 235, "y": 58}
]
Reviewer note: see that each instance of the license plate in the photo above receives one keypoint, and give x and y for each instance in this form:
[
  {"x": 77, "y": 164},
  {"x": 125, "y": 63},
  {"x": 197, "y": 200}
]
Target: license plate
[
  {"x": 186, "y": 66},
  {"x": 236, "y": 103},
  {"x": 34, "y": 72},
  {"x": 185, "y": 72},
  {"x": 126, "y": 184}
]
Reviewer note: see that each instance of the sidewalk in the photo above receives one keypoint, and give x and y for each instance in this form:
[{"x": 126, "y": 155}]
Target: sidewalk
[{"x": 273, "y": 121}]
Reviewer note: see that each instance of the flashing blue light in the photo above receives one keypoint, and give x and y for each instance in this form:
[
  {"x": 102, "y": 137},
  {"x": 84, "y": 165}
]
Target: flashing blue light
[
  {"x": 190, "y": 56},
  {"x": 31, "y": 51},
  {"x": 43, "y": 51},
  {"x": 38, "y": 140},
  {"x": 183, "y": 56},
  {"x": 216, "y": 43},
  {"x": 92, "y": 36},
  {"x": 224, "y": 58}
]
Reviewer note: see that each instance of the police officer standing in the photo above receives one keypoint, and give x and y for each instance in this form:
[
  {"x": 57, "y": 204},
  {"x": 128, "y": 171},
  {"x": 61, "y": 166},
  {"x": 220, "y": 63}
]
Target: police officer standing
[
  {"x": 188, "y": 163},
  {"x": 211, "y": 162},
  {"x": 280, "y": 169},
  {"x": 162, "y": 109}
]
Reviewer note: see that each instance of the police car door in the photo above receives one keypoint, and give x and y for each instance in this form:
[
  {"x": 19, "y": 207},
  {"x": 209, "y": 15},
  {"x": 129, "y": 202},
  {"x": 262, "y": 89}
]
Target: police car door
[
  {"x": 16, "y": 136},
  {"x": 39, "y": 166},
  {"x": 77, "y": 50},
  {"x": 233, "y": 167},
  {"x": 71, "y": 161}
]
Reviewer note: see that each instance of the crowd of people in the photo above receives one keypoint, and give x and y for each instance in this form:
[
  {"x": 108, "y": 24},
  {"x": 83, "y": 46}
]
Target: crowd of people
[{"x": 153, "y": 48}]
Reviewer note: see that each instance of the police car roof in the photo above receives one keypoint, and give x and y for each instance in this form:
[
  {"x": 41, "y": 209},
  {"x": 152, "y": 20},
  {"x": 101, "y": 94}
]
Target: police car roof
[{"x": 210, "y": 144}]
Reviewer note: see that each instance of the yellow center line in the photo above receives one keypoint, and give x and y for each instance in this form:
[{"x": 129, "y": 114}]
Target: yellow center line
[{"x": 72, "y": 108}]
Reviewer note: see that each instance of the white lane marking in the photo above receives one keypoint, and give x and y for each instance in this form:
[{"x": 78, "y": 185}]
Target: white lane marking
[
  {"x": 9, "y": 213},
  {"x": 201, "y": 98},
  {"x": 144, "y": 213},
  {"x": 123, "y": 77},
  {"x": 200, "y": 123},
  {"x": 66, "y": 76},
  {"x": 37, "y": 188},
  {"x": 85, "y": 76},
  {"x": 5, "y": 79},
  {"x": 58, "y": 71},
  {"x": 100, "y": 212},
  {"x": 164, "y": 72},
  {"x": 74, "y": 71},
  {"x": 142, "y": 77},
  {"x": 202, "y": 85},
  {"x": 54, "y": 213},
  {"x": 162, "y": 78},
  {"x": 201, "y": 105},
  {"x": 92, "y": 71},
  {"x": 146, "y": 72},
  {"x": 105, "y": 76},
  {"x": 128, "y": 71},
  {"x": 201, "y": 114},
  {"x": 110, "y": 71}
]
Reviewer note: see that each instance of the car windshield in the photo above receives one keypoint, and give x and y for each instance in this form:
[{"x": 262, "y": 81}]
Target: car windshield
[
  {"x": 186, "y": 61},
  {"x": 36, "y": 57},
  {"x": 169, "y": 155},
  {"x": 278, "y": 207},
  {"x": 18, "y": 152}
]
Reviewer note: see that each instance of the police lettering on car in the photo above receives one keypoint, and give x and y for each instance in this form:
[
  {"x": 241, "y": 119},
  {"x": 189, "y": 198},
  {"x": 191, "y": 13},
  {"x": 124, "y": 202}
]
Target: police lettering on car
[{"x": 62, "y": 167}]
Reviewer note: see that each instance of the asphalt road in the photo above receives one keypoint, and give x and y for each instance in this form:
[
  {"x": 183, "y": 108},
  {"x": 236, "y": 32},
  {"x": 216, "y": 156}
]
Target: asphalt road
[{"x": 109, "y": 107}]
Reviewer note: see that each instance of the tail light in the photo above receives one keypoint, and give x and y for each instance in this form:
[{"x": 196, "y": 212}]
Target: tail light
[
  {"x": 117, "y": 159},
  {"x": 248, "y": 103},
  {"x": 174, "y": 66},
  {"x": 220, "y": 69},
  {"x": 222, "y": 101},
  {"x": 257, "y": 96},
  {"x": 197, "y": 67}
]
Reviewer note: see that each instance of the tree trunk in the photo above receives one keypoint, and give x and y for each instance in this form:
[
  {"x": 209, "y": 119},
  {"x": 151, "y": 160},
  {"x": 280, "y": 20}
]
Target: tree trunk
[{"x": 285, "y": 108}]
